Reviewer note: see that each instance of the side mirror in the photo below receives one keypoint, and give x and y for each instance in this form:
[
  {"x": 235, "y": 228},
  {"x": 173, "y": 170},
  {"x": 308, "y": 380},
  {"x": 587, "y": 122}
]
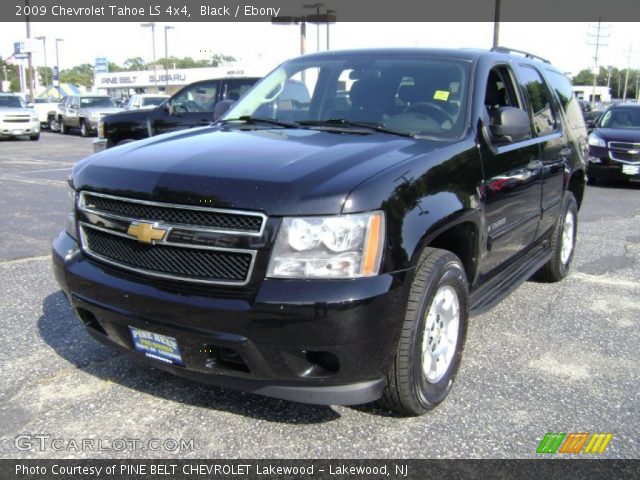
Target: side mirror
[
  {"x": 221, "y": 108},
  {"x": 168, "y": 107},
  {"x": 74, "y": 107},
  {"x": 510, "y": 124},
  {"x": 591, "y": 124}
]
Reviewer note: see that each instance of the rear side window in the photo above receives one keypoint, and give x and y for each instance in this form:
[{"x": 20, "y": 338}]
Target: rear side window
[
  {"x": 570, "y": 104},
  {"x": 544, "y": 119}
]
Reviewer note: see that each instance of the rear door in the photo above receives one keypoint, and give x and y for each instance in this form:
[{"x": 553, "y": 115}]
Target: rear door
[
  {"x": 553, "y": 143},
  {"x": 190, "y": 107}
]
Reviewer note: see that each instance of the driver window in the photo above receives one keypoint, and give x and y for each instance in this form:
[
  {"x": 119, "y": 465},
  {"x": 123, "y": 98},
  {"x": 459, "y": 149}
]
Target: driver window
[{"x": 196, "y": 98}]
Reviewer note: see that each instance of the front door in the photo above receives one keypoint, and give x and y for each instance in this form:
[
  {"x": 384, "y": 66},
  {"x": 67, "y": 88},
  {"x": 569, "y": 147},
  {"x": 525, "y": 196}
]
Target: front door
[{"x": 190, "y": 107}]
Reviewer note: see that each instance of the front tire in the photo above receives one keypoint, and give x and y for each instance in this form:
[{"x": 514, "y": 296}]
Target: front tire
[
  {"x": 63, "y": 129},
  {"x": 433, "y": 334},
  {"x": 563, "y": 240}
]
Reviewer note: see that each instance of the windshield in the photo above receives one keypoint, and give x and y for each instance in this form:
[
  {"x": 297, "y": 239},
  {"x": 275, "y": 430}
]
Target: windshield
[
  {"x": 621, "y": 118},
  {"x": 407, "y": 94},
  {"x": 146, "y": 101},
  {"x": 9, "y": 101},
  {"x": 88, "y": 102}
]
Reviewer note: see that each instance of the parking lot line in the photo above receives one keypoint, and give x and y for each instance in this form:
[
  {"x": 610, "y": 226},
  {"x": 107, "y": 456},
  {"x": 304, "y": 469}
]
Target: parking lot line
[{"x": 39, "y": 181}]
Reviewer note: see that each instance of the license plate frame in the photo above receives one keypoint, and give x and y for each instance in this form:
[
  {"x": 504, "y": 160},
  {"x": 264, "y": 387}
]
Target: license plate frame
[
  {"x": 157, "y": 346},
  {"x": 631, "y": 169}
]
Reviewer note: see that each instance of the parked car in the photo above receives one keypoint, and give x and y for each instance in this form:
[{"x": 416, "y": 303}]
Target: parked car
[
  {"x": 17, "y": 119},
  {"x": 145, "y": 101},
  {"x": 190, "y": 107},
  {"x": 327, "y": 251},
  {"x": 590, "y": 114},
  {"x": 46, "y": 111},
  {"x": 614, "y": 145},
  {"x": 84, "y": 112}
]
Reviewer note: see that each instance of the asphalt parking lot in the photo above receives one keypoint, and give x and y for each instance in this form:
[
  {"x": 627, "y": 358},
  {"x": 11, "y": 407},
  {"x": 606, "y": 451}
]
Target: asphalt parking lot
[{"x": 551, "y": 358}]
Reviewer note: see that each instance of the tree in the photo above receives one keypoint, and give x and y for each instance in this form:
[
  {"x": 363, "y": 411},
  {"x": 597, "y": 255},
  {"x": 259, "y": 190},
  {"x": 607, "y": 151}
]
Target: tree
[
  {"x": 78, "y": 75},
  {"x": 584, "y": 77},
  {"x": 135, "y": 63}
]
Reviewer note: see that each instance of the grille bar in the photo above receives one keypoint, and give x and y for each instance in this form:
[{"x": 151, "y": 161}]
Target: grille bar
[
  {"x": 203, "y": 218},
  {"x": 219, "y": 266}
]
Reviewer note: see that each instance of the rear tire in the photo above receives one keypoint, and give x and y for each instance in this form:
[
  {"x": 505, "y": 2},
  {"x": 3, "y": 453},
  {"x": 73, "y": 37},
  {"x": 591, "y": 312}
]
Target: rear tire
[
  {"x": 433, "y": 334},
  {"x": 63, "y": 128},
  {"x": 563, "y": 240}
]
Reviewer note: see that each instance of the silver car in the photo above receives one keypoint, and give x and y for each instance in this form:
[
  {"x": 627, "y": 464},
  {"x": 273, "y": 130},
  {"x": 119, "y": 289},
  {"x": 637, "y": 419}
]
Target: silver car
[
  {"x": 17, "y": 119},
  {"x": 84, "y": 112}
]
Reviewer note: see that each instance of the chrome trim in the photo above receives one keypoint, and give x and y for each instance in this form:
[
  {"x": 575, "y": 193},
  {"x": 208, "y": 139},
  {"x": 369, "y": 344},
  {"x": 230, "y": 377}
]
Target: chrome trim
[
  {"x": 82, "y": 207},
  {"x": 621, "y": 150},
  {"x": 87, "y": 250}
]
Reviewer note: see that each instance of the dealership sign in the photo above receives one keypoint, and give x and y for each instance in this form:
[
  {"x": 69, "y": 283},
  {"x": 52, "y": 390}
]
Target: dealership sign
[{"x": 173, "y": 77}]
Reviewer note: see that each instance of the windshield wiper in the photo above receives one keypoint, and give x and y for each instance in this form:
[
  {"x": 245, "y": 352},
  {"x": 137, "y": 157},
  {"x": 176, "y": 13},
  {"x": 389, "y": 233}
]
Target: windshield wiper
[
  {"x": 343, "y": 123},
  {"x": 249, "y": 120}
]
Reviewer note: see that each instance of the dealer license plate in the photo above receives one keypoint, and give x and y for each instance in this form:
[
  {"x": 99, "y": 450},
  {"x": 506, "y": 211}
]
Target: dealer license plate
[
  {"x": 154, "y": 345},
  {"x": 17, "y": 132},
  {"x": 631, "y": 169}
]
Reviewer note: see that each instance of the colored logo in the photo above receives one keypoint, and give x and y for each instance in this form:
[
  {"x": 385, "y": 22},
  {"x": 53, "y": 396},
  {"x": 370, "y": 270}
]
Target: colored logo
[
  {"x": 574, "y": 442},
  {"x": 146, "y": 232}
]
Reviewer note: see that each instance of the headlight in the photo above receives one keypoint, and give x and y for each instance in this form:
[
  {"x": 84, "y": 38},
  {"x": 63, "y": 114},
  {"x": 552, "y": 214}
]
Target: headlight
[
  {"x": 340, "y": 246},
  {"x": 101, "y": 129},
  {"x": 70, "y": 219},
  {"x": 94, "y": 116},
  {"x": 596, "y": 141}
]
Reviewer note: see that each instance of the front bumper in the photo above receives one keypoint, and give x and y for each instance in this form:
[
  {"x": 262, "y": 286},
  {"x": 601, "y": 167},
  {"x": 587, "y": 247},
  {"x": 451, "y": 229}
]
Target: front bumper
[
  {"x": 321, "y": 342},
  {"x": 15, "y": 129},
  {"x": 603, "y": 165}
]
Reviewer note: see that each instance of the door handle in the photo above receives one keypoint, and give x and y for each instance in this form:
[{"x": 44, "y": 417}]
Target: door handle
[{"x": 534, "y": 164}]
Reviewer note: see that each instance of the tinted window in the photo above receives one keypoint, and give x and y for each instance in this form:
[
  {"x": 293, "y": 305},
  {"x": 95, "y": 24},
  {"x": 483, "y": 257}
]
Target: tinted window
[
  {"x": 620, "y": 118},
  {"x": 200, "y": 97},
  {"x": 11, "y": 102},
  {"x": 91, "y": 102},
  {"x": 571, "y": 105},
  {"x": 544, "y": 120},
  {"x": 146, "y": 101}
]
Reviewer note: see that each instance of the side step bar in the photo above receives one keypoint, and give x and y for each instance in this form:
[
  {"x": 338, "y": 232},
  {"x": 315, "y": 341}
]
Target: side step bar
[{"x": 502, "y": 284}]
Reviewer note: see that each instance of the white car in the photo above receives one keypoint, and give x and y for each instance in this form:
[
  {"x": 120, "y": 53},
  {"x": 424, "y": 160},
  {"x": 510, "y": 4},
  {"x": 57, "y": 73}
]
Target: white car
[
  {"x": 16, "y": 119},
  {"x": 145, "y": 101},
  {"x": 46, "y": 111}
]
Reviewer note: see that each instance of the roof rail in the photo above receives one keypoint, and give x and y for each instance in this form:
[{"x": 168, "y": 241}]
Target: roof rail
[{"x": 513, "y": 50}]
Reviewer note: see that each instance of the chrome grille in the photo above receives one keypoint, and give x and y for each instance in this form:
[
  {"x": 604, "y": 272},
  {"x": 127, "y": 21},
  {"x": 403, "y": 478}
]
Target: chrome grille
[
  {"x": 222, "y": 220},
  {"x": 164, "y": 260},
  {"x": 104, "y": 226},
  {"x": 17, "y": 119},
  {"x": 625, "y": 152}
]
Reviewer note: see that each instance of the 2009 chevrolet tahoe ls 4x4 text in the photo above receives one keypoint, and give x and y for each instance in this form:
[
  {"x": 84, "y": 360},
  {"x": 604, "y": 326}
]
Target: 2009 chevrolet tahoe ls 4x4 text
[{"x": 331, "y": 251}]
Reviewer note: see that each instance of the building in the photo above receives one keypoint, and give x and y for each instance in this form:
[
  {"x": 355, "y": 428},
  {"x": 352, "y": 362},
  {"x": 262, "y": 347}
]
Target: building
[
  {"x": 123, "y": 84},
  {"x": 585, "y": 92}
]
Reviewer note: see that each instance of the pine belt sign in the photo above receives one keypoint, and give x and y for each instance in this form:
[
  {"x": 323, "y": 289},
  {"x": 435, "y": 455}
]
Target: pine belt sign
[{"x": 146, "y": 78}]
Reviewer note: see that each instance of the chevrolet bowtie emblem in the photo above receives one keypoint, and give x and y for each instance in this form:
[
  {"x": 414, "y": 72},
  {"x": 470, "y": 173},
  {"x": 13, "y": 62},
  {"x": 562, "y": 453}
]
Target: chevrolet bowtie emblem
[{"x": 146, "y": 232}]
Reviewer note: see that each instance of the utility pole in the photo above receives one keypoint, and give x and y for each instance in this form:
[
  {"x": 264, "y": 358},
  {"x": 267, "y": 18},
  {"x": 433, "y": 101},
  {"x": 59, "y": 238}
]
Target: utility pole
[
  {"x": 29, "y": 75},
  {"x": 496, "y": 24},
  {"x": 598, "y": 36},
  {"x": 153, "y": 46},
  {"x": 626, "y": 77},
  {"x": 166, "y": 58}
]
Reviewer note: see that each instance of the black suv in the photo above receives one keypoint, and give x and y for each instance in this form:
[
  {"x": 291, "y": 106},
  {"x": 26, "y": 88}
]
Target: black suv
[
  {"x": 330, "y": 251},
  {"x": 614, "y": 145},
  {"x": 192, "y": 106}
]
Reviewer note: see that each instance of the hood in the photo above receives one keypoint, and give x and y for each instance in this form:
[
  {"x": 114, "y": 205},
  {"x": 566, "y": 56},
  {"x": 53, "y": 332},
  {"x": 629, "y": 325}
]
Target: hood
[
  {"x": 277, "y": 171},
  {"x": 631, "y": 135},
  {"x": 16, "y": 111}
]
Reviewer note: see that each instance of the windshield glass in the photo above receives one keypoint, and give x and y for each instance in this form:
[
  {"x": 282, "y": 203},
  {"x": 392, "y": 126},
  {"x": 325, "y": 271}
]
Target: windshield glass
[
  {"x": 88, "y": 102},
  {"x": 146, "y": 101},
  {"x": 407, "y": 94},
  {"x": 10, "y": 101},
  {"x": 621, "y": 118}
]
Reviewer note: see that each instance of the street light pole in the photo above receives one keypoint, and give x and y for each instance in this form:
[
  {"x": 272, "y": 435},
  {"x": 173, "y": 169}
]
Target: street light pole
[
  {"x": 317, "y": 7},
  {"x": 46, "y": 67},
  {"x": 166, "y": 57},
  {"x": 58, "y": 40},
  {"x": 29, "y": 54},
  {"x": 153, "y": 46},
  {"x": 496, "y": 24},
  {"x": 329, "y": 13}
]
